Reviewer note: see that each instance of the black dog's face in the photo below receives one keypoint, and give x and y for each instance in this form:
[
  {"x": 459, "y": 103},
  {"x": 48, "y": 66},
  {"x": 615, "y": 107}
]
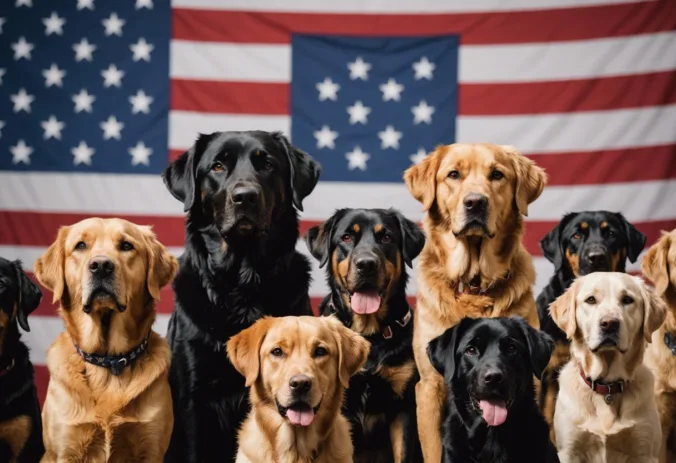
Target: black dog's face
[
  {"x": 19, "y": 296},
  {"x": 367, "y": 249},
  {"x": 241, "y": 182},
  {"x": 489, "y": 364},
  {"x": 593, "y": 241}
]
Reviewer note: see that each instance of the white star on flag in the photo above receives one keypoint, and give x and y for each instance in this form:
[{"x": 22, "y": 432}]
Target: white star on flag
[
  {"x": 88, "y": 4},
  {"x": 419, "y": 156},
  {"x": 2, "y": 124},
  {"x": 53, "y": 24},
  {"x": 358, "y": 113},
  {"x": 2, "y": 73},
  {"x": 2, "y": 21},
  {"x": 52, "y": 128},
  {"x": 141, "y": 50},
  {"x": 359, "y": 69},
  {"x": 112, "y": 76},
  {"x": 326, "y": 137},
  {"x": 140, "y": 154},
  {"x": 328, "y": 90},
  {"x": 422, "y": 113},
  {"x": 83, "y": 101},
  {"x": 22, "y": 101},
  {"x": 144, "y": 4},
  {"x": 21, "y": 153},
  {"x": 391, "y": 90},
  {"x": 84, "y": 50},
  {"x": 82, "y": 154},
  {"x": 53, "y": 76},
  {"x": 140, "y": 102},
  {"x": 22, "y": 49},
  {"x": 28, "y": 3},
  {"x": 357, "y": 159},
  {"x": 112, "y": 128},
  {"x": 389, "y": 138},
  {"x": 423, "y": 69},
  {"x": 113, "y": 25}
]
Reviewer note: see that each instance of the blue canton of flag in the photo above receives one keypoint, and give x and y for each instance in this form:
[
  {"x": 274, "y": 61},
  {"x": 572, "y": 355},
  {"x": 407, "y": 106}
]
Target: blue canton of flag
[
  {"x": 84, "y": 85},
  {"x": 367, "y": 108}
]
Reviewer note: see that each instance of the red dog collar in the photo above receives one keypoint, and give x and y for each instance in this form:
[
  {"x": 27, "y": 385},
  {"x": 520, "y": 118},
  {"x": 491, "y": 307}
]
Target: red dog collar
[{"x": 605, "y": 389}]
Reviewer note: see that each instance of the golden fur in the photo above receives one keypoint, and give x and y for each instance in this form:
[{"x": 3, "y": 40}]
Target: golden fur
[
  {"x": 587, "y": 428},
  {"x": 266, "y": 435},
  {"x": 89, "y": 414},
  {"x": 659, "y": 265},
  {"x": 453, "y": 255}
]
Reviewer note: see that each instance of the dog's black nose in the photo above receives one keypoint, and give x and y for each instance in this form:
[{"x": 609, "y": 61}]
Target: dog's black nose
[
  {"x": 597, "y": 259},
  {"x": 300, "y": 384},
  {"x": 101, "y": 266},
  {"x": 366, "y": 264},
  {"x": 474, "y": 202},
  {"x": 493, "y": 377},
  {"x": 245, "y": 195},
  {"x": 610, "y": 325}
]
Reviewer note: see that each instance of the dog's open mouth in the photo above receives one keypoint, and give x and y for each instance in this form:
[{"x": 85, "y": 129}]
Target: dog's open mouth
[
  {"x": 299, "y": 413},
  {"x": 493, "y": 409},
  {"x": 102, "y": 298},
  {"x": 366, "y": 300}
]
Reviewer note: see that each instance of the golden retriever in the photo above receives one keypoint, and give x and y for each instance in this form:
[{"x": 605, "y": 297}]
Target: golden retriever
[
  {"x": 108, "y": 397},
  {"x": 298, "y": 369},
  {"x": 606, "y": 410},
  {"x": 473, "y": 263},
  {"x": 659, "y": 265}
]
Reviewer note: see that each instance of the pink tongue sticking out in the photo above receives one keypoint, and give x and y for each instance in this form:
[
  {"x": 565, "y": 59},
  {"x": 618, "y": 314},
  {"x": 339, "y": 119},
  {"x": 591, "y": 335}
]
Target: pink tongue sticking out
[
  {"x": 301, "y": 417},
  {"x": 364, "y": 303},
  {"x": 495, "y": 411}
]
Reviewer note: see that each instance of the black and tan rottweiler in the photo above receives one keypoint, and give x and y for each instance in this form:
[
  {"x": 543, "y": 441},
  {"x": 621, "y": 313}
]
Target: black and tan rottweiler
[
  {"x": 582, "y": 243},
  {"x": 20, "y": 422},
  {"x": 366, "y": 251}
]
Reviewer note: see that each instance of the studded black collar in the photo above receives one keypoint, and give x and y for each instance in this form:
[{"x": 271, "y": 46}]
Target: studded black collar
[{"x": 114, "y": 363}]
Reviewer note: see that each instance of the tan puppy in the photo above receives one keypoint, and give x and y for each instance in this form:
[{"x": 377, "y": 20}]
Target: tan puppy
[
  {"x": 473, "y": 263},
  {"x": 298, "y": 369},
  {"x": 606, "y": 409},
  {"x": 659, "y": 265},
  {"x": 115, "y": 405}
]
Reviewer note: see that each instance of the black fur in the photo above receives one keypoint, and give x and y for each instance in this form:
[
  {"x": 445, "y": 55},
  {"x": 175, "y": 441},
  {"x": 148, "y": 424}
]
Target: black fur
[
  {"x": 18, "y": 395},
  {"x": 239, "y": 264},
  {"x": 464, "y": 355},
  {"x": 370, "y": 394}
]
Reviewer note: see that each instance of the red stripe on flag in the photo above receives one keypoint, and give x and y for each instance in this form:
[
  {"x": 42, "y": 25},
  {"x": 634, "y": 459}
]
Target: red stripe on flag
[
  {"x": 474, "y": 99},
  {"x": 474, "y": 28}
]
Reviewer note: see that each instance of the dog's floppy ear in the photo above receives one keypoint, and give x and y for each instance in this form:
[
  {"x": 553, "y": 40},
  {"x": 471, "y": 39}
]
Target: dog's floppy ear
[
  {"x": 244, "y": 349},
  {"x": 421, "y": 178},
  {"x": 318, "y": 238},
  {"x": 563, "y": 309},
  {"x": 179, "y": 176},
  {"x": 161, "y": 264},
  {"x": 530, "y": 179},
  {"x": 29, "y": 296},
  {"x": 353, "y": 350},
  {"x": 655, "y": 265},
  {"x": 49, "y": 268},
  {"x": 304, "y": 170},
  {"x": 635, "y": 239},
  {"x": 413, "y": 239},
  {"x": 551, "y": 244},
  {"x": 654, "y": 310},
  {"x": 540, "y": 346},
  {"x": 441, "y": 350}
]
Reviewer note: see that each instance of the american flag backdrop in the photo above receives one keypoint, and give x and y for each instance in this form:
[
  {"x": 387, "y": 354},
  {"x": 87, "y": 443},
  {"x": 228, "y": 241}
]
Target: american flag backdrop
[{"x": 96, "y": 96}]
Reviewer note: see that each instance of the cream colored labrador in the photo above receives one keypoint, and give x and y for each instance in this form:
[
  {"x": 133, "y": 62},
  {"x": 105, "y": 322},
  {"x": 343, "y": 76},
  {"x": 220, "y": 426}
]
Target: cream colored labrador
[{"x": 606, "y": 410}]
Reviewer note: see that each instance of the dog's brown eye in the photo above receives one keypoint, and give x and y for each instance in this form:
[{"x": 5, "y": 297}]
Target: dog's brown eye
[
  {"x": 497, "y": 175},
  {"x": 386, "y": 239},
  {"x": 217, "y": 167},
  {"x": 80, "y": 246},
  {"x": 126, "y": 246},
  {"x": 510, "y": 348},
  {"x": 454, "y": 174},
  {"x": 268, "y": 165},
  {"x": 626, "y": 300},
  {"x": 346, "y": 238},
  {"x": 577, "y": 236},
  {"x": 320, "y": 351},
  {"x": 472, "y": 351},
  {"x": 591, "y": 300},
  {"x": 277, "y": 352}
]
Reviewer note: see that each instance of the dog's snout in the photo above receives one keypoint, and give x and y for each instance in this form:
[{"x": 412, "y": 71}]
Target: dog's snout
[
  {"x": 597, "y": 258},
  {"x": 474, "y": 202},
  {"x": 493, "y": 377},
  {"x": 610, "y": 325},
  {"x": 245, "y": 195},
  {"x": 366, "y": 264},
  {"x": 300, "y": 384},
  {"x": 101, "y": 266}
]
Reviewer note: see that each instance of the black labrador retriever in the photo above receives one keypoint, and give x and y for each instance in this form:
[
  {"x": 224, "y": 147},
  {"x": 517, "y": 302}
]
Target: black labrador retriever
[
  {"x": 20, "y": 420},
  {"x": 368, "y": 250},
  {"x": 491, "y": 415},
  {"x": 241, "y": 191},
  {"x": 582, "y": 243}
]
